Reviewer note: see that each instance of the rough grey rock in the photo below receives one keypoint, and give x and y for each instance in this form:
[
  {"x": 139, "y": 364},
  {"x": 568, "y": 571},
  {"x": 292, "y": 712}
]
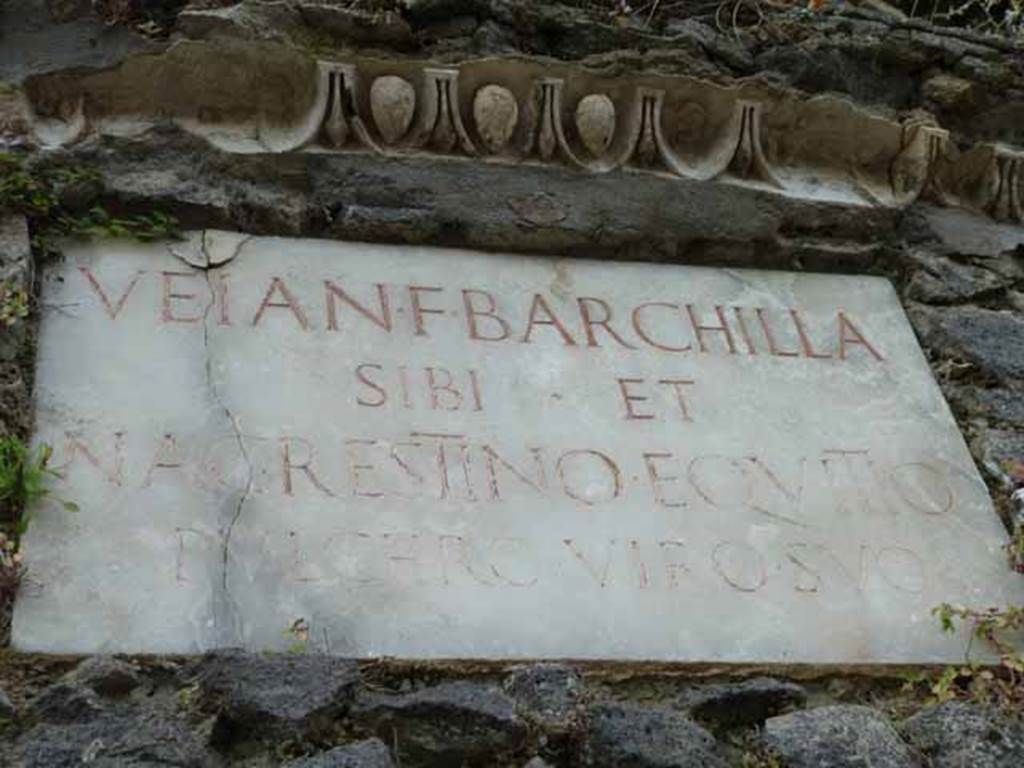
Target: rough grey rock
[
  {"x": 959, "y": 231},
  {"x": 111, "y": 741},
  {"x": 15, "y": 275},
  {"x": 732, "y": 52},
  {"x": 745, "y": 703},
  {"x": 493, "y": 39},
  {"x": 1008, "y": 264},
  {"x": 15, "y": 341},
  {"x": 357, "y": 26},
  {"x": 998, "y": 404},
  {"x": 371, "y": 753},
  {"x": 548, "y": 694},
  {"x": 446, "y": 724},
  {"x": 242, "y": 20},
  {"x": 956, "y": 734},
  {"x": 997, "y": 450},
  {"x": 107, "y": 676},
  {"x": 991, "y": 340},
  {"x": 34, "y": 42},
  {"x": 842, "y": 736},
  {"x": 422, "y": 200},
  {"x": 15, "y": 254},
  {"x": 844, "y": 66},
  {"x": 269, "y": 696},
  {"x": 621, "y": 735},
  {"x": 950, "y": 91},
  {"x": 941, "y": 280},
  {"x": 65, "y": 703},
  {"x": 7, "y": 709}
]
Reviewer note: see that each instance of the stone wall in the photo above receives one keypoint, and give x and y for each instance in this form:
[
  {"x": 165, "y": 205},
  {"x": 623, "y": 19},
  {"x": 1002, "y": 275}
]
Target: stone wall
[
  {"x": 943, "y": 223},
  {"x": 231, "y": 709}
]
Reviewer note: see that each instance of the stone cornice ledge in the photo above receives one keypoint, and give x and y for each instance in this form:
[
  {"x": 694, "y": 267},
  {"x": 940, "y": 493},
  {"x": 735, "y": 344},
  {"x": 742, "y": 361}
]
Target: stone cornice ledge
[{"x": 261, "y": 98}]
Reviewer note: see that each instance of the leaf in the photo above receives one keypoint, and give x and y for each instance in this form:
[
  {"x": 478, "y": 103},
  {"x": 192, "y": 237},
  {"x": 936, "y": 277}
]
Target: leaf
[{"x": 70, "y": 506}]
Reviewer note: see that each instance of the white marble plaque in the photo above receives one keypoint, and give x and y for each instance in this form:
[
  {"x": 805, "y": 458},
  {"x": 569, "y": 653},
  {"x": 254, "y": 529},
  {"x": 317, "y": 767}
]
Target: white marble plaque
[{"x": 423, "y": 452}]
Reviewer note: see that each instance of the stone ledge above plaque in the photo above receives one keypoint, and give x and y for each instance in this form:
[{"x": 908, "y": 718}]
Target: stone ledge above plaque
[{"x": 436, "y": 453}]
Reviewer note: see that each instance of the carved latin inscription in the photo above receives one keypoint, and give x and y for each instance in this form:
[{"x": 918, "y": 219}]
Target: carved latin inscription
[{"x": 415, "y": 451}]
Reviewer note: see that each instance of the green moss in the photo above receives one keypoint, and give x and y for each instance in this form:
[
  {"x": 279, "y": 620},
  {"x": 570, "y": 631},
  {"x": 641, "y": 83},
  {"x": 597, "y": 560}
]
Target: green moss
[{"x": 61, "y": 200}]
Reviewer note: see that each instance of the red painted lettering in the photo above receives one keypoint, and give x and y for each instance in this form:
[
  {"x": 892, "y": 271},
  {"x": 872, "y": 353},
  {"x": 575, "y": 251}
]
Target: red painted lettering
[
  {"x": 277, "y": 285},
  {"x": 538, "y": 306},
  {"x": 473, "y": 312}
]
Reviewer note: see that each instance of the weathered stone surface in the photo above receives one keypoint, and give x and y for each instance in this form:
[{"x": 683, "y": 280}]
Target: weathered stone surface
[
  {"x": 745, "y": 703},
  {"x": 618, "y": 216},
  {"x": 370, "y": 753},
  {"x": 445, "y": 724},
  {"x": 949, "y": 91},
  {"x": 112, "y": 741},
  {"x": 941, "y": 280},
  {"x": 999, "y": 405},
  {"x": 548, "y": 694},
  {"x": 213, "y": 397},
  {"x": 16, "y": 273},
  {"x": 272, "y": 695},
  {"x": 352, "y": 24},
  {"x": 628, "y": 735},
  {"x": 106, "y": 676},
  {"x": 7, "y": 709},
  {"x": 496, "y": 114},
  {"x": 1000, "y": 452},
  {"x": 991, "y": 340},
  {"x": 595, "y": 121},
  {"x": 64, "y": 703},
  {"x": 966, "y": 233},
  {"x": 352, "y": 196},
  {"x": 15, "y": 253},
  {"x": 841, "y": 736},
  {"x": 211, "y": 92},
  {"x": 956, "y": 734},
  {"x": 33, "y": 44},
  {"x": 392, "y": 102},
  {"x": 728, "y": 50}
]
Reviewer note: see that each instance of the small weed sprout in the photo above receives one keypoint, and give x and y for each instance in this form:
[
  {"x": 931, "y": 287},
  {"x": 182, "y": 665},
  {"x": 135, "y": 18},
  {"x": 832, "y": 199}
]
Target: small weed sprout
[
  {"x": 13, "y": 304},
  {"x": 1001, "y": 684},
  {"x": 11, "y": 569},
  {"x": 999, "y": 629},
  {"x": 298, "y": 634},
  {"x": 25, "y": 477},
  {"x": 43, "y": 193}
]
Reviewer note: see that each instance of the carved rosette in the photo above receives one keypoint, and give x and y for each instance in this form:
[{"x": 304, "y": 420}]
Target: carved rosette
[{"x": 496, "y": 115}]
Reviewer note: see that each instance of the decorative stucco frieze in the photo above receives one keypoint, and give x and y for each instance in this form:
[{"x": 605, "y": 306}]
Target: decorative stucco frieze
[{"x": 528, "y": 112}]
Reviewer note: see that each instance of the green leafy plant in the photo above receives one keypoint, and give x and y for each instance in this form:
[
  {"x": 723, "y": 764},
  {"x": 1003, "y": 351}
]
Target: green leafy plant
[
  {"x": 61, "y": 201},
  {"x": 35, "y": 190},
  {"x": 25, "y": 477},
  {"x": 1000, "y": 684},
  {"x": 98, "y": 223}
]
